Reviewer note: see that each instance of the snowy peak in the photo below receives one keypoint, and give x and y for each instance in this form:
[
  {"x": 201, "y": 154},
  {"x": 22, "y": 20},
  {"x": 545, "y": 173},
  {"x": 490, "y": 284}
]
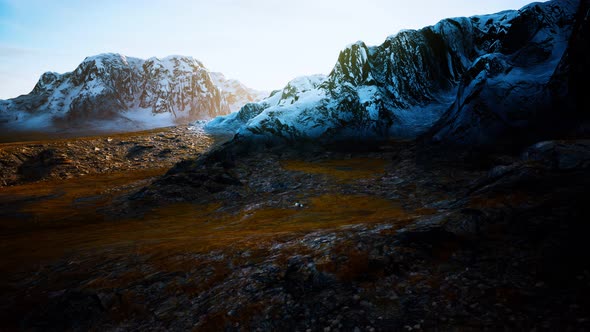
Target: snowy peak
[
  {"x": 125, "y": 91},
  {"x": 353, "y": 66},
  {"x": 103, "y": 66},
  {"x": 173, "y": 65},
  {"x": 298, "y": 87},
  {"x": 181, "y": 85},
  {"x": 108, "y": 60},
  {"x": 300, "y": 91},
  {"x": 47, "y": 82}
]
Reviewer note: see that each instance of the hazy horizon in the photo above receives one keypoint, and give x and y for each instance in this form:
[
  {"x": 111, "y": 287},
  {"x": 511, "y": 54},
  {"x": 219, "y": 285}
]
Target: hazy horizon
[{"x": 257, "y": 42}]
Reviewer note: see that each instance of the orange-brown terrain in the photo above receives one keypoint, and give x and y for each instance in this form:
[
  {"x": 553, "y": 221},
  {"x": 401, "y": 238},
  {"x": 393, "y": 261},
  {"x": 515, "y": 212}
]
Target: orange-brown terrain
[{"x": 102, "y": 233}]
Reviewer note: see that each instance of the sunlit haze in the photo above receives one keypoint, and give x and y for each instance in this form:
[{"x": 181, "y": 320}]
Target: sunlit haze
[{"x": 262, "y": 43}]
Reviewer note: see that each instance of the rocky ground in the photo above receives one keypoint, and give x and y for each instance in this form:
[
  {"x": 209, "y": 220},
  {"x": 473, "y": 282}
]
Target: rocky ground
[
  {"x": 391, "y": 236},
  {"x": 31, "y": 161}
]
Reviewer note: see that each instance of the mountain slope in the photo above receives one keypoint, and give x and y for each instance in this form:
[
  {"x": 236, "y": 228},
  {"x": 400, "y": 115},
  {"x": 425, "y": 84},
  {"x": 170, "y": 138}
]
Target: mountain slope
[
  {"x": 236, "y": 94},
  {"x": 402, "y": 87},
  {"x": 298, "y": 93},
  {"x": 509, "y": 96},
  {"x": 113, "y": 90}
]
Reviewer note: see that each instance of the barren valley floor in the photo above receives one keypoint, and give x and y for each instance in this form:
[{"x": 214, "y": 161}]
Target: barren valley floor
[{"x": 101, "y": 234}]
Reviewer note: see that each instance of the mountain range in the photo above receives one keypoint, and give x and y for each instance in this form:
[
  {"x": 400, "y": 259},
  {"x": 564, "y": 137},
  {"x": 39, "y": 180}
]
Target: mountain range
[
  {"x": 480, "y": 80},
  {"x": 115, "y": 91}
]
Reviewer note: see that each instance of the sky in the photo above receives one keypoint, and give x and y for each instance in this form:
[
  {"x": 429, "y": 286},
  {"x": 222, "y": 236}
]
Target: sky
[{"x": 263, "y": 43}]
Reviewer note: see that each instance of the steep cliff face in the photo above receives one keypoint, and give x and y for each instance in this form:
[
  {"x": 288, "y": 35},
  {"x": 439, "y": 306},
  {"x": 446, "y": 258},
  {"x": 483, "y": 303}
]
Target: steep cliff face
[
  {"x": 180, "y": 86},
  {"x": 114, "y": 90},
  {"x": 506, "y": 96},
  {"x": 458, "y": 68}
]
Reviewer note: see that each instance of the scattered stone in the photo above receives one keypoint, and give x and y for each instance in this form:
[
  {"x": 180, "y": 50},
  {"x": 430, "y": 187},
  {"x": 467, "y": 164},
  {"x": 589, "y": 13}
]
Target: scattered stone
[
  {"x": 75, "y": 157},
  {"x": 465, "y": 263}
]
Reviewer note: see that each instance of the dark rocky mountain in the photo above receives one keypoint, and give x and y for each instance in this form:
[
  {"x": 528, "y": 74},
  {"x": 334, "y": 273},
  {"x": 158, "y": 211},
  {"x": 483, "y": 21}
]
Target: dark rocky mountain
[
  {"x": 471, "y": 76},
  {"x": 527, "y": 90},
  {"x": 115, "y": 90}
]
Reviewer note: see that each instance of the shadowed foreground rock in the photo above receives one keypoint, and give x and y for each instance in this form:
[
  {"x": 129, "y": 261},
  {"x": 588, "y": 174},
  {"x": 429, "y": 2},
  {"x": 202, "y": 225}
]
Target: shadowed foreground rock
[{"x": 494, "y": 244}]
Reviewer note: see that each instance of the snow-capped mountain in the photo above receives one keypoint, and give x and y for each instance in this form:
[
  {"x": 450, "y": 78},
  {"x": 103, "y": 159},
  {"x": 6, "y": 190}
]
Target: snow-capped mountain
[
  {"x": 524, "y": 92},
  {"x": 298, "y": 90},
  {"x": 113, "y": 90},
  {"x": 404, "y": 86},
  {"x": 236, "y": 94}
]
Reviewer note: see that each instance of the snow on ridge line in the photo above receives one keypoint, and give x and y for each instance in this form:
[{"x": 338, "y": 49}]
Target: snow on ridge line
[
  {"x": 302, "y": 87},
  {"x": 113, "y": 87},
  {"x": 381, "y": 90}
]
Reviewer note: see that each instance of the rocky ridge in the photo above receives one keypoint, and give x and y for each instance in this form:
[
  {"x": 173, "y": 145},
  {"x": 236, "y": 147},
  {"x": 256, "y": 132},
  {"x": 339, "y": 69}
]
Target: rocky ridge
[{"x": 419, "y": 80}]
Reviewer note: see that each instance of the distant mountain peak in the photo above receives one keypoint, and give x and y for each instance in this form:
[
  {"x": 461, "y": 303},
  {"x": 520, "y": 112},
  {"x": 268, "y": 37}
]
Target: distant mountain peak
[
  {"x": 113, "y": 90},
  {"x": 236, "y": 93}
]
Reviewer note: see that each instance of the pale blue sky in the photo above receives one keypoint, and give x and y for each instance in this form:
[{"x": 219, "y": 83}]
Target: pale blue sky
[{"x": 262, "y": 43}]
